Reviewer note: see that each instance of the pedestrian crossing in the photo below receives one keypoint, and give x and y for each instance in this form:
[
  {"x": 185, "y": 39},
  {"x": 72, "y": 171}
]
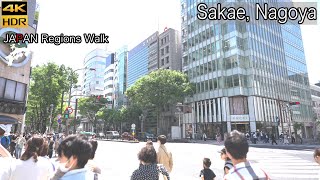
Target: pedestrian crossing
[{"x": 287, "y": 166}]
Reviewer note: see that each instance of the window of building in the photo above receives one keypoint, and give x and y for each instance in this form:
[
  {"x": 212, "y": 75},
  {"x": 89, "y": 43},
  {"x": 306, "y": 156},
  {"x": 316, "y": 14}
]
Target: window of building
[
  {"x": 162, "y": 52},
  {"x": 97, "y": 82},
  {"x": 162, "y": 62},
  {"x": 12, "y": 90},
  {"x": 226, "y": 45},
  {"x": 167, "y": 59},
  {"x": 167, "y": 49},
  {"x": 185, "y": 60},
  {"x": 238, "y": 105}
]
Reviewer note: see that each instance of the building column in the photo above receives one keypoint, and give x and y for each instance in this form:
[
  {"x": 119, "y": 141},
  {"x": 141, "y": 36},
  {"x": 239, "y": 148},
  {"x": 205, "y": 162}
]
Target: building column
[
  {"x": 210, "y": 111},
  {"x": 229, "y": 126},
  {"x": 214, "y": 110},
  {"x": 252, "y": 109}
]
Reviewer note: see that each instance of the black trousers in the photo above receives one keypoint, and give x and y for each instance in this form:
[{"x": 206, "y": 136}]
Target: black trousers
[
  {"x": 274, "y": 141},
  {"x": 50, "y": 152}
]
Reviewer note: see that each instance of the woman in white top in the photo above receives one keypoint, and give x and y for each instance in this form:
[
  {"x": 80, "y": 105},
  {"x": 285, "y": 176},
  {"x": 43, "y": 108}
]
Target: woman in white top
[{"x": 32, "y": 166}]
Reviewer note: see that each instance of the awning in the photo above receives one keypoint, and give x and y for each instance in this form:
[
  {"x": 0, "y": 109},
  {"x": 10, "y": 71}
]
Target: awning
[{"x": 8, "y": 120}]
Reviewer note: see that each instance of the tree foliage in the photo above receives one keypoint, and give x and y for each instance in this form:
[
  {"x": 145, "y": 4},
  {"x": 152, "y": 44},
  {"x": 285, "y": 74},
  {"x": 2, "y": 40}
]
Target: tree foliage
[
  {"x": 159, "y": 88},
  {"x": 90, "y": 106},
  {"x": 47, "y": 83},
  {"x": 114, "y": 118}
]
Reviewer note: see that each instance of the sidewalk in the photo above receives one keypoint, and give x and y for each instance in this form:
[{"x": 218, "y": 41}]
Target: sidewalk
[
  {"x": 118, "y": 140},
  {"x": 261, "y": 144}
]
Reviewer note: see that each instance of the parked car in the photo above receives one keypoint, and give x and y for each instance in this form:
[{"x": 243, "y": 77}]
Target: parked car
[
  {"x": 89, "y": 134},
  {"x": 127, "y": 136},
  {"x": 112, "y": 135},
  {"x": 145, "y": 136},
  {"x": 101, "y": 135}
]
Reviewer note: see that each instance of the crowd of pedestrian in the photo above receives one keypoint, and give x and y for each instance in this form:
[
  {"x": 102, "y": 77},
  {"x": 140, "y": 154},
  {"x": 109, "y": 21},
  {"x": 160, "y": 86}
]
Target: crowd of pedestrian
[{"x": 31, "y": 158}]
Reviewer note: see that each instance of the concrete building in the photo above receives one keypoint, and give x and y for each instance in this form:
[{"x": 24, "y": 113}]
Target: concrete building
[
  {"x": 170, "y": 50},
  {"x": 315, "y": 95},
  {"x": 15, "y": 77},
  {"x": 93, "y": 80},
  {"x": 244, "y": 74},
  {"x": 120, "y": 77},
  {"x": 153, "y": 46},
  {"x": 108, "y": 79}
]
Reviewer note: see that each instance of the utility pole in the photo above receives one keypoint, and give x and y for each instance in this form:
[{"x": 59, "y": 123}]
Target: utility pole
[
  {"x": 280, "y": 111},
  {"x": 75, "y": 116},
  {"x": 69, "y": 101}
]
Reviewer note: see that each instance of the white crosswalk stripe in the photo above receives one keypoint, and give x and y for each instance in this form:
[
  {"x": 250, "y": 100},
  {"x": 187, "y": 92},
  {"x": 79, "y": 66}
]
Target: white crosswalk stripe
[{"x": 286, "y": 166}]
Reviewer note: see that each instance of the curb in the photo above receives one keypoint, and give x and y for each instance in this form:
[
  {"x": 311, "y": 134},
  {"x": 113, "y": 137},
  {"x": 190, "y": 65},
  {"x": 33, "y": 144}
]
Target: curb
[{"x": 124, "y": 141}]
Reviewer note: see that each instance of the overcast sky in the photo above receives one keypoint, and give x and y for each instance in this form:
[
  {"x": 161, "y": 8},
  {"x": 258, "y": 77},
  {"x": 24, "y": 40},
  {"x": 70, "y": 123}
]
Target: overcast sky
[{"x": 126, "y": 22}]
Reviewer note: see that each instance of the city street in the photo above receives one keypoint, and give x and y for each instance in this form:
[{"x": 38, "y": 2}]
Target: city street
[{"x": 118, "y": 160}]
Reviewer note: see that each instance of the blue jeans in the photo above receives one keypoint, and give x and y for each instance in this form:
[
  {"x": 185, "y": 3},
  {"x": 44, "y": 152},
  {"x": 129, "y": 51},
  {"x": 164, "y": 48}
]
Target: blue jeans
[{"x": 18, "y": 152}]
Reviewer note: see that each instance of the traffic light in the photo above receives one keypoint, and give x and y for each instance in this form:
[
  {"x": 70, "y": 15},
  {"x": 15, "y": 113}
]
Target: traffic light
[
  {"x": 66, "y": 114},
  {"x": 294, "y": 103}
]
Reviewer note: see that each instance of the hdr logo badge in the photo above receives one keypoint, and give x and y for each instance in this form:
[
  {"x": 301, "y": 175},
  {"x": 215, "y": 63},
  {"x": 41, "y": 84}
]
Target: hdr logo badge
[{"x": 14, "y": 14}]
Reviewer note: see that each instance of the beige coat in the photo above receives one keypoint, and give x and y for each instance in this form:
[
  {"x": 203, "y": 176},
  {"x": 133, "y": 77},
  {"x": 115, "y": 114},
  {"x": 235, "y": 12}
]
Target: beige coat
[{"x": 165, "y": 157}]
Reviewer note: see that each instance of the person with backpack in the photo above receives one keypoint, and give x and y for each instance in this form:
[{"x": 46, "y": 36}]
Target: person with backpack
[
  {"x": 228, "y": 163},
  {"x": 5, "y": 140}
]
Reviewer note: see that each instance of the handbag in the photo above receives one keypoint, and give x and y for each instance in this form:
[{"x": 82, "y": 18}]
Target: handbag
[{"x": 161, "y": 176}]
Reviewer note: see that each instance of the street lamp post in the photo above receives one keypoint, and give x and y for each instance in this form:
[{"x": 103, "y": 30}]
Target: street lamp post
[
  {"x": 179, "y": 105},
  {"x": 69, "y": 100}
]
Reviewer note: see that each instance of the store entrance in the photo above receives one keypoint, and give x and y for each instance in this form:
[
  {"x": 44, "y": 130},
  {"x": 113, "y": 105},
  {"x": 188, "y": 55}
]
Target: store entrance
[{"x": 241, "y": 127}]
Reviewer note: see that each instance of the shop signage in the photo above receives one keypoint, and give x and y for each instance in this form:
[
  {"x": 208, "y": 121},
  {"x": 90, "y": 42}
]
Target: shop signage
[
  {"x": 241, "y": 118},
  {"x": 14, "y": 55}
]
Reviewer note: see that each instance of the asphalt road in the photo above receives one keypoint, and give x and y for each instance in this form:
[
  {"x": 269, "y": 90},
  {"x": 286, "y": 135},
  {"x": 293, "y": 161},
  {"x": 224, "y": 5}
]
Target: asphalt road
[{"x": 118, "y": 160}]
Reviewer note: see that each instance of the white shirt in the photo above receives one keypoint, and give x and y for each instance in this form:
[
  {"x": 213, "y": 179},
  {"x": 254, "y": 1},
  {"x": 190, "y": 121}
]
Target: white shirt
[
  {"x": 5, "y": 166},
  {"x": 30, "y": 170},
  {"x": 246, "y": 171}
]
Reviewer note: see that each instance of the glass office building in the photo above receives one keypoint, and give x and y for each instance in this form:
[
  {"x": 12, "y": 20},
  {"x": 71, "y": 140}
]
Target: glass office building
[
  {"x": 138, "y": 62},
  {"x": 243, "y": 74},
  {"x": 120, "y": 77},
  {"x": 93, "y": 79}
]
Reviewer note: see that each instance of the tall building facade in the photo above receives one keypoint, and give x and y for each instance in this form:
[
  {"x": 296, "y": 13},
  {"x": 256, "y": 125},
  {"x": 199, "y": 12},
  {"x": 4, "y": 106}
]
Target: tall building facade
[
  {"x": 108, "y": 79},
  {"x": 15, "y": 76},
  {"x": 93, "y": 75},
  {"x": 120, "y": 77},
  {"x": 315, "y": 95},
  {"x": 138, "y": 62},
  {"x": 157, "y": 51},
  {"x": 241, "y": 74},
  {"x": 170, "y": 50},
  {"x": 153, "y": 45}
]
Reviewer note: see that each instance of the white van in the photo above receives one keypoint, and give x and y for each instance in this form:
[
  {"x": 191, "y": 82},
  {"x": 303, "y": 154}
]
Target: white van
[{"x": 112, "y": 135}]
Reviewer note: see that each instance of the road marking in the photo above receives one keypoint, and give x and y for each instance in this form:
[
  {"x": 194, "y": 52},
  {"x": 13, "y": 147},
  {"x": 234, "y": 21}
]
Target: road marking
[{"x": 287, "y": 166}]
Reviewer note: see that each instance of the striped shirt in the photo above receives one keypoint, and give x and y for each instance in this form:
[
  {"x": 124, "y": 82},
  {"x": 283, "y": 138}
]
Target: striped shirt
[{"x": 246, "y": 171}]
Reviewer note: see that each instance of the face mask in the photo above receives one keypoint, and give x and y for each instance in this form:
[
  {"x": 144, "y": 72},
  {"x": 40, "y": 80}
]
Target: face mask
[{"x": 63, "y": 167}]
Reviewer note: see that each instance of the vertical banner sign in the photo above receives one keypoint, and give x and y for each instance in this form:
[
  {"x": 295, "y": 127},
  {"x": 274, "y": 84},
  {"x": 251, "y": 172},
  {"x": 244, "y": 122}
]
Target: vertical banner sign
[{"x": 14, "y": 14}]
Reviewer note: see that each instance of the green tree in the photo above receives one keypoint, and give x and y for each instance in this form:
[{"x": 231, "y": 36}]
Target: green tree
[
  {"x": 160, "y": 88},
  {"x": 90, "y": 106},
  {"x": 46, "y": 85}
]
